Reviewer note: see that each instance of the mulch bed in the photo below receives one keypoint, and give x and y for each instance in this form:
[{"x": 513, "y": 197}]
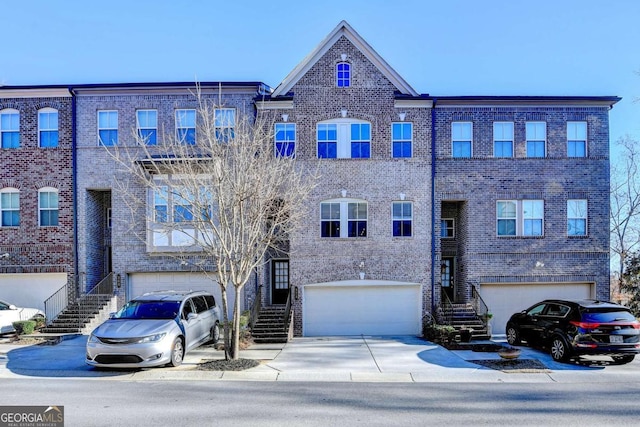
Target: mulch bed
[
  {"x": 514, "y": 365},
  {"x": 228, "y": 365}
]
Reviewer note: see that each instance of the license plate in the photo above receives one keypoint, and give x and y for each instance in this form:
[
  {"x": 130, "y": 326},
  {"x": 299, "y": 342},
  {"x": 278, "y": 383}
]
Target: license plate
[{"x": 616, "y": 339}]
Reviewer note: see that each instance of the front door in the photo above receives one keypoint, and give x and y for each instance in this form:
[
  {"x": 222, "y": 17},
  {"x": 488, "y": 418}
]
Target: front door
[
  {"x": 447, "y": 278},
  {"x": 279, "y": 281}
]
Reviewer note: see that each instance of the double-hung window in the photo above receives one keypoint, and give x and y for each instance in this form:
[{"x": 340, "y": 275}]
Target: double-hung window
[
  {"x": 401, "y": 139},
  {"x": 344, "y": 138},
  {"x": 9, "y": 207},
  {"x": 147, "y": 123},
  {"x": 225, "y": 123},
  {"x": 343, "y": 218},
  {"x": 536, "y": 138},
  {"x": 447, "y": 228},
  {"x": 285, "y": 139},
  {"x": 48, "y": 128},
  {"x": 402, "y": 219},
  {"x": 576, "y": 139},
  {"x": 503, "y": 139},
  {"x": 108, "y": 128},
  {"x": 576, "y": 217},
  {"x": 48, "y": 207},
  {"x": 10, "y": 128},
  {"x": 520, "y": 217},
  {"x": 343, "y": 74},
  {"x": 461, "y": 139},
  {"x": 186, "y": 126}
]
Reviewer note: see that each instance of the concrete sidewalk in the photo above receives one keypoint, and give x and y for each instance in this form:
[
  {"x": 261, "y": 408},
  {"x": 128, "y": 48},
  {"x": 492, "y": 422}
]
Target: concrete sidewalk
[{"x": 337, "y": 359}]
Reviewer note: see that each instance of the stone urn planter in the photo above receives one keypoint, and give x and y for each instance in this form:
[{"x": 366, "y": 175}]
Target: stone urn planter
[
  {"x": 509, "y": 353},
  {"x": 465, "y": 335}
]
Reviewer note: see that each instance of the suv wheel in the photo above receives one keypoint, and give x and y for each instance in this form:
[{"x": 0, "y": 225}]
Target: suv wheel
[
  {"x": 559, "y": 349},
  {"x": 513, "y": 336}
]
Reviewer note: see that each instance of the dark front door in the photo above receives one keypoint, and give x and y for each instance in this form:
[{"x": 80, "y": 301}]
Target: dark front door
[
  {"x": 447, "y": 278},
  {"x": 279, "y": 281}
]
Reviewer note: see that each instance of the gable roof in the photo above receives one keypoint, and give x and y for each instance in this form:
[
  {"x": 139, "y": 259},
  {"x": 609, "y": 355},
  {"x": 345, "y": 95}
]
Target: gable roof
[{"x": 343, "y": 29}]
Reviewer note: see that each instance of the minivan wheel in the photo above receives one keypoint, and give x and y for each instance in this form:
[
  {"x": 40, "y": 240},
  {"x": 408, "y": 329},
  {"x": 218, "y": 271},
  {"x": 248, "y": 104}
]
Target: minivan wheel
[
  {"x": 623, "y": 360},
  {"x": 559, "y": 349},
  {"x": 513, "y": 337},
  {"x": 215, "y": 334},
  {"x": 177, "y": 352}
]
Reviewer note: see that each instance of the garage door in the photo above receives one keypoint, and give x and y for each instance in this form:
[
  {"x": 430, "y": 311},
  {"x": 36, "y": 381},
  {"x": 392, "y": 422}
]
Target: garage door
[
  {"x": 362, "y": 307},
  {"x": 140, "y": 283},
  {"x": 504, "y": 300},
  {"x": 30, "y": 289}
]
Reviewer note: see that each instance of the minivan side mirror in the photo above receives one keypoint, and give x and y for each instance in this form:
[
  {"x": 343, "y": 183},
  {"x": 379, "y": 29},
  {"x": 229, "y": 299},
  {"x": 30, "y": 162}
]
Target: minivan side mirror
[
  {"x": 191, "y": 316},
  {"x": 12, "y": 307}
]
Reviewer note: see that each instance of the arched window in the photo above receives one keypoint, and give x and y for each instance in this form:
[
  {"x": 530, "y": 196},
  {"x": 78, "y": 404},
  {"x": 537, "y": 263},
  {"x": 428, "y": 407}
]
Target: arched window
[
  {"x": 9, "y": 207},
  {"x": 48, "y": 207},
  {"x": 10, "y": 128},
  {"x": 343, "y": 74},
  {"x": 48, "y": 127}
]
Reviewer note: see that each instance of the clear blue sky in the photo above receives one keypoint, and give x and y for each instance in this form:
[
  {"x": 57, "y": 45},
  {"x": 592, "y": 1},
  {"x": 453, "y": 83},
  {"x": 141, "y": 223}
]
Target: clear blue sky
[{"x": 453, "y": 47}]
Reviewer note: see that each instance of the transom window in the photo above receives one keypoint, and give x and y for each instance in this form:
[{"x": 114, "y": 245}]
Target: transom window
[
  {"x": 343, "y": 218},
  {"x": 576, "y": 217},
  {"x": 576, "y": 139},
  {"x": 447, "y": 227},
  {"x": 10, "y": 207},
  {"x": 225, "y": 122},
  {"x": 48, "y": 207},
  {"x": 186, "y": 126},
  {"x": 48, "y": 127},
  {"x": 402, "y": 218},
  {"x": 401, "y": 139},
  {"x": 462, "y": 139},
  {"x": 285, "y": 139},
  {"x": 343, "y": 74},
  {"x": 503, "y": 139},
  {"x": 10, "y": 128},
  {"x": 147, "y": 123},
  {"x": 536, "y": 139},
  {"x": 108, "y": 128},
  {"x": 344, "y": 138},
  {"x": 520, "y": 217}
]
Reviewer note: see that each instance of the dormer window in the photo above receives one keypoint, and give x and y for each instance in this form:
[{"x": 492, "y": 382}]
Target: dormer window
[{"x": 343, "y": 74}]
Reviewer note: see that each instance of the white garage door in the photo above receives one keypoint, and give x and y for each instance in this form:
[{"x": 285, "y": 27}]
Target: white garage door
[
  {"x": 361, "y": 307},
  {"x": 504, "y": 300},
  {"x": 30, "y": 289},
  {"x": 140, "y": 283}
]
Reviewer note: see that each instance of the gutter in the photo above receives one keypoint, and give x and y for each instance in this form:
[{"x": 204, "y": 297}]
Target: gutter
[
  {"x": 74, "y": 190},
  {"x": 433, "y": 207}
]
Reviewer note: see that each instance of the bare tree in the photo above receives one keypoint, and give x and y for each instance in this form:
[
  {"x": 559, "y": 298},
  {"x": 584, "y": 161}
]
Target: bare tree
[
  {"x": 221, "y": 201},
  {"x": 625, "y": 202}
]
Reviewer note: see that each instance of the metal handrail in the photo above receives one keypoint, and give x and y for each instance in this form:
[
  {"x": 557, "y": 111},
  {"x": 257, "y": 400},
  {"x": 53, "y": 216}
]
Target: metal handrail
[
  {"x": 447, "y": 308},
  {"x": 57, "y": 302},
  {"x": 287, "y": 311},
  {"x": 257, "y": 306},
  {"x": 479, "y": 305},
  {"x": 88, "y": 301}
]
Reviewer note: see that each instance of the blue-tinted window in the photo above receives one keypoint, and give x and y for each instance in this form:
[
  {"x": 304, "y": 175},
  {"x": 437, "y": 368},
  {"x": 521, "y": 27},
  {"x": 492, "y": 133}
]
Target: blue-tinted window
[
  {"x": 327, "y": 141},
  {"x": 503, "y": 139},
  {"x": 10, "y": 128},
  {"x": 186, "y": 126},
  {"x": 285, "y": 139},
  {"x": 402, "y": 219},
  {"x": 10, "y": 208},
  {"x": 357, "y": 219},
  {"x": 461, "y": 139},
  {"x": 360, "y": 140},
  {"x": 536, "y": 138},
  {"x": 343, "y": 74},
  {"x": 48, "y": 128},
  {"x": 506, "y": 216},
  {"x": 147, "y": 121},
  {"x": 48, "y": 206},
  {"x": 401, "y": 139},
  {"x": 225, "y": 122},
  {"x": 577, "y": 217},
  {"x": 330, "y": 219},
  {"x": 576, "y": 139},
  {"x": 160, "y": 204},
  {"x": 108, "y": 128}
]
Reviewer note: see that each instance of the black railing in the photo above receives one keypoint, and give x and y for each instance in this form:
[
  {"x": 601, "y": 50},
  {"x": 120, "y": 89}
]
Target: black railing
[
  {"x": 257, "y": 306},
  {"x": 94, "y": 298},
  {"x": 478, "y": 304},
  {"x": 57, "y": 302},
  {"x": 447, "y": 308},
  {"x": 287, "y": 312}
]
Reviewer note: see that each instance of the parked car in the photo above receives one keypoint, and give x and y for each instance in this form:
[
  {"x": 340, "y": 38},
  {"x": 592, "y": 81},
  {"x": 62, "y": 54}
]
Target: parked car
[
  {"x": 9, "y": 313},
  {"x": 155, "y": 329},
  {"x": 573, "y": 328}
]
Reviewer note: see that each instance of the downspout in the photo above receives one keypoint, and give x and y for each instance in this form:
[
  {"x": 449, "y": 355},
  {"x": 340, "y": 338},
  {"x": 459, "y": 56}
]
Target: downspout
[
  {"x": 433, "y": 207},
  {"x": 74, "y": 190}
]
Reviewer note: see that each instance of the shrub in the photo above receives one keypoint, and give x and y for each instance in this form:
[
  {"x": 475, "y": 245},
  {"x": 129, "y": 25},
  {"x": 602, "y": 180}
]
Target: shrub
[
  {"x": 40, "y": 321},
  {"x": 24, "y": 327},
  {"x": 441, "y": 334}
]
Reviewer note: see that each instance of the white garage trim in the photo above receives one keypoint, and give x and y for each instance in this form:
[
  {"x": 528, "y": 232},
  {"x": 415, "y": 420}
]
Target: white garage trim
[
  {"x": 30, "y": 289},
  {"x": 505, "y": 299},
  {"x": 361, "y": 307},
  {"x": 140, "y": 283}
]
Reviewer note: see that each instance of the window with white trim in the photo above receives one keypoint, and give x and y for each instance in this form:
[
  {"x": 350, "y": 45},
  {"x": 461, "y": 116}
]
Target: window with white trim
[
  {"x": 502, "y": 139},
  {"x": 576, "y": 217},
  {"x": 402, "y": 219},
  {"x": 576, "y": 139},
  {"x": 536, "y": 138},
  {"x": 225, "y": 124},
  {"x": 9, "y": 207},
  {"x": 401, "y": 139},
  {"x": 48, "y": 207},
  {"x": 108, "y": 128},
  {"x": 147, "y": 124},
  {"x": 48, "y": 128},
  {"x": 285, "y": 139},
  {"x": 186, "y": 126},
  {"x": 520, "y": 218},
  {"x": 462, "y": 139},
  {"x": 343, "y": 74},
  {"x": 344, "y": 139},
  {"x": 447, "y": 228},
  {"x": 10, "y": 128},
  {"x": 343, "y": 218}
]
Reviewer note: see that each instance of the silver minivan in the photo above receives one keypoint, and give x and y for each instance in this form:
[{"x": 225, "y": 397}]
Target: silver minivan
[{"x": 155, "y": 329}]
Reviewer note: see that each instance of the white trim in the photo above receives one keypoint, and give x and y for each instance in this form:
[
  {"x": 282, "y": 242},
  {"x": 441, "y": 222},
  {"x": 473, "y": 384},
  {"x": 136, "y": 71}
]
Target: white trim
[
  {"x": 34, "y": 93},
  {"x": 413, "y": 103},
  {"x": 274, "y": 105}
]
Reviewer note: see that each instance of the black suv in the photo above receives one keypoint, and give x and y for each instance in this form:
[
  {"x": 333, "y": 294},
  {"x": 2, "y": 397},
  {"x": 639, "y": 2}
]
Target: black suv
[{"x": 578, "y": 327}]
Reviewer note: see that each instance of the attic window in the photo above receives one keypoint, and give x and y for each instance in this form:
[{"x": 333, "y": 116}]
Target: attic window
[{"x": 343, "y": 74}]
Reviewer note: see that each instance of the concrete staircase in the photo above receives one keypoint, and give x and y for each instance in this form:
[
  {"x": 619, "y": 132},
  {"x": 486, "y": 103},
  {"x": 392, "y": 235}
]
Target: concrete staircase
[
  {"x": 271, "y": 326},
  {"x": 82, "y": 316},
  {"x": 464, "y": 316}
]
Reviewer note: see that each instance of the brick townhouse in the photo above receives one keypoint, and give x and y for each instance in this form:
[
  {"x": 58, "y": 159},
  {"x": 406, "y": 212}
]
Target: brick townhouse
[{"x": 424, "y": 202}]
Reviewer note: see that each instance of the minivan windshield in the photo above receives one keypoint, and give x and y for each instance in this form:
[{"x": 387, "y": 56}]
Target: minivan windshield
[{"x": 149, "y": 310}]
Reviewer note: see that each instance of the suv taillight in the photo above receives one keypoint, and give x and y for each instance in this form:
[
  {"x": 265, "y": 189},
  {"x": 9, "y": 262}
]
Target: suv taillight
[{"x": 584, "y": 325}]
